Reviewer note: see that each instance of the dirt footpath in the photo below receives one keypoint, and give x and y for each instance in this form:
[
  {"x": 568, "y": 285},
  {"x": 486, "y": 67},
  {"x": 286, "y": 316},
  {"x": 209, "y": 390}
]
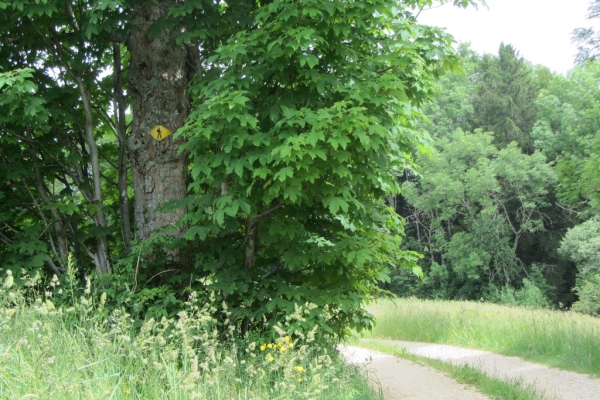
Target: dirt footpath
[
  {"x": 552, "y": 382},
  {"x": 402, "y": 379}
]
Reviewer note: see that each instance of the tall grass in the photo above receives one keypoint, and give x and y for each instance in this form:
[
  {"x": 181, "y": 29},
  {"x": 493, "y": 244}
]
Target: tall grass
[
  {"x": 87, "y": 352},
  {"x": 562, "y": 339}
]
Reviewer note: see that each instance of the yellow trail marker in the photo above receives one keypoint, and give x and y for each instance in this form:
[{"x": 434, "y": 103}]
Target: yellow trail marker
[{"x": 159, "y": 132}]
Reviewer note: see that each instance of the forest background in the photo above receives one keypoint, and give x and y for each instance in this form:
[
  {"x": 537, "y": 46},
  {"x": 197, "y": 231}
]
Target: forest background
[{"x": 505, "y": 209}]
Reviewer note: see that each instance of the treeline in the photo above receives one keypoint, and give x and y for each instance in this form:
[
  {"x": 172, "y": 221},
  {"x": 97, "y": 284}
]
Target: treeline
[{"x": 505, "y": 208}]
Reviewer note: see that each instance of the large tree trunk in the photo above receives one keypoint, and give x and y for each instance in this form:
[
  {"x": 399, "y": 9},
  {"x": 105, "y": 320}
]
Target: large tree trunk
[{"x": 159, "y": 75}]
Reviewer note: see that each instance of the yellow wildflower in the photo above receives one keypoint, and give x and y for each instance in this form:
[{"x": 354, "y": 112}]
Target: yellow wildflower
[
  {"x": 263, "y": 347},
  {"x": 300, "y": 369},
  {"x": 269, "y": 358}
]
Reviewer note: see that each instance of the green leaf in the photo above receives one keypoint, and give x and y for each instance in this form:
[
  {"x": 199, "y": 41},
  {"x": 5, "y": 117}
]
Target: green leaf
[
  {"x": 292, "y": 193},
  {"x": 335, "y": 203},
  {"x": 416, "y": 270},
  {"x": 284, "y": 173},
  {"x": 232, "y": 209},
  {"x": 200, "y": 231},
  {"x": 240, "y": 99}
]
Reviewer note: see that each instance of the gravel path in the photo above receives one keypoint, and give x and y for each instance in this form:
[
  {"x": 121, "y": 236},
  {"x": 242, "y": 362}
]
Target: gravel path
[
  {"x": 402, "y": 379},
  {"x": 552, "y": 382}
]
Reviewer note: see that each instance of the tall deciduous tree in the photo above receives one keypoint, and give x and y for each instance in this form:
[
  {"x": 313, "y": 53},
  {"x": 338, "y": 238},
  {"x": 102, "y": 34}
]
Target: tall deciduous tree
[
  {"x": 159, "y": 75},
  {"x": 301, "y": 126},
  {"x": 470, "y": 211},
  {"x": 71, "y": 119},
  {"x": 567, "y": 131},
  {"x": 452, "y": 107},
  {"x": 292, "y": 120},
  {"x": 564, "y": 129}
]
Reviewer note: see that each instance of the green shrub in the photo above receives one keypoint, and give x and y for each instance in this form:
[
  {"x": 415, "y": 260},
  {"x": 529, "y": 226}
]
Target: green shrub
[
  {"x": 589, "y": 296},
  {"x": 527, "y": 296}
]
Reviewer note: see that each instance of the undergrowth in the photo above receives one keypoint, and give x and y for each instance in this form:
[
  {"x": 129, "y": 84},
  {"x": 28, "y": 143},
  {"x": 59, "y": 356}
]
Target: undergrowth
[{"x": 50, "y": 349}]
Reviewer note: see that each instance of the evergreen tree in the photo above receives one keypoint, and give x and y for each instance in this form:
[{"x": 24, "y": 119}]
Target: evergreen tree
[{"x": 504, "y": 102}]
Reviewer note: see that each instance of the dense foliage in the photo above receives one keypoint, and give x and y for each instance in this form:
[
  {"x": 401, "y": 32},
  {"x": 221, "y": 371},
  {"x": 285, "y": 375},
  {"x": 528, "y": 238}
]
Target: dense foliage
[
  {"x": 296, "y": 118},
  {"x": 471, "y": 209},
  {"x": 298, "y": 123},
  {"x": 297, "y": 138}
]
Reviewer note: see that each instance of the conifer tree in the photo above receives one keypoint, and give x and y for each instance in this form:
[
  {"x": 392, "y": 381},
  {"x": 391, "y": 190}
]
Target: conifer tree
[{"x": 504, "y": 102}]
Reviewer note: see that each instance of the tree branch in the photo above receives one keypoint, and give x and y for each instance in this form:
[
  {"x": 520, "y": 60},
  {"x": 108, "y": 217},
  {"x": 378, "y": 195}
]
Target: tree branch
[{"x": 268, "y": 212}]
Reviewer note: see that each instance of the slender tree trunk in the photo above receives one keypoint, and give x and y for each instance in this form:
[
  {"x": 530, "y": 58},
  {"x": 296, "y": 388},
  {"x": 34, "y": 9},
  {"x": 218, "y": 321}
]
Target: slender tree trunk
[
  {"x": 101, "y": 260},
  {"x": 391, "y": 200},
  {"x": 159, "y": 74},
  {"x": 59, "y": 229},
  {"x": 250, "y": 242},
  {"x": 120, "y": 106}
]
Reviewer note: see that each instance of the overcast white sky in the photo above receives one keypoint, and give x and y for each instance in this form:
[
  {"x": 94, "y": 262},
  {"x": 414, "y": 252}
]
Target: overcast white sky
[{"x": 539, "y": 29}]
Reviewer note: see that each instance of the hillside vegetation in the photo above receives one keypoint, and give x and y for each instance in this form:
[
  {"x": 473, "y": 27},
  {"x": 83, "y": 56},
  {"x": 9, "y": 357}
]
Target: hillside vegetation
[{"x": 199, "y": 198}]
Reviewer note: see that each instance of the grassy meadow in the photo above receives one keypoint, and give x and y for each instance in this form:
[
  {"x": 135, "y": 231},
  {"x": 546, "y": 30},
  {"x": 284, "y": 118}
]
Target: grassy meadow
[
  {"x": 86, "y": 352},
  {"x": 560, "y": 339}
]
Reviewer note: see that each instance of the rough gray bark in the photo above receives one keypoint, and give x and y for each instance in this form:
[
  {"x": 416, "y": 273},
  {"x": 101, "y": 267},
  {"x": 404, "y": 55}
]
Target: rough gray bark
[{"x": 158, "y": 76}]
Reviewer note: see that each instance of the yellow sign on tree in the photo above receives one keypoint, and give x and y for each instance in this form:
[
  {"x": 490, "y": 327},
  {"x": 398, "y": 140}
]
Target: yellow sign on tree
[{"x": 159, "y": 132}]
